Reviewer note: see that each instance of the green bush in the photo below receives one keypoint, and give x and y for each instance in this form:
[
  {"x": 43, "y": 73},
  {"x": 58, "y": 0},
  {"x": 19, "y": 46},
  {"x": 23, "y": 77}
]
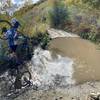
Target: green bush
[
  {"x": 58, "y": 14},
  {"x": 93, "y": 3},
  {"x": 41, "y": 39},
  {"x": 89, "y": 36}
]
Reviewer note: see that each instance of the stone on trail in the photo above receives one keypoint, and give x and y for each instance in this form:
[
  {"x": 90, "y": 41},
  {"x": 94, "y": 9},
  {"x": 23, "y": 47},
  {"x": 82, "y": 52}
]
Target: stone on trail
[{"x": 94, "y": 96}]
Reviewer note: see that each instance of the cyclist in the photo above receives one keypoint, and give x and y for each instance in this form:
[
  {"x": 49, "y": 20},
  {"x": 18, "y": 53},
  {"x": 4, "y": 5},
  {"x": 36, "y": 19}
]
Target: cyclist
[{"x": 11, "y": 36}]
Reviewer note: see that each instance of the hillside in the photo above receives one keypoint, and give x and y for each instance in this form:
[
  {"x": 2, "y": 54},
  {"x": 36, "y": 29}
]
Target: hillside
[
  {"x": 84, "y": 20},
  {"x": 62, "y": 55},
  {"x": 28, "y": 17}
]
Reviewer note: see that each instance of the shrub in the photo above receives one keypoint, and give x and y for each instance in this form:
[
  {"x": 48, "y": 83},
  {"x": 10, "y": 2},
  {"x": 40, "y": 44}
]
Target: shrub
[
  {"x": 89, "y": 36},
  {"x": 58, "y": 14},
  {"x": 93, "y": 3},
  {"x": 41, "y": 39}
]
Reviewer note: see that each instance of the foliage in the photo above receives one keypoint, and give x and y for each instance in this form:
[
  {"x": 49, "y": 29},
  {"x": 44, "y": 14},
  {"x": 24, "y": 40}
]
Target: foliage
[
  {"x": 37, "y": 18},
  {"x": 41, "y": 39},
  {"x": 58, "y": 14},
  {"x": 93, "y": 3},
  {"x": 88, "y": 36}
]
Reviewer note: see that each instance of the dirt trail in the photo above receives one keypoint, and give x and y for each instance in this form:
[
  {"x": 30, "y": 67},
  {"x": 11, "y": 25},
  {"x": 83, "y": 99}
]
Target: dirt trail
[{"x": 85, "y": 54}]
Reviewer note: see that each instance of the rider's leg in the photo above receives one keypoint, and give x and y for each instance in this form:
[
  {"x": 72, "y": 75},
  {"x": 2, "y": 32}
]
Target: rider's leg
[
  {"x": 14, "y": 54},
  {"x": 13, "y": 51}
]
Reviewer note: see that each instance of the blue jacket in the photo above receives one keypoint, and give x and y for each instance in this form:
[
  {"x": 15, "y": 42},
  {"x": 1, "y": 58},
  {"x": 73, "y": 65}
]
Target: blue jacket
[{"x": 10, "y": 36}]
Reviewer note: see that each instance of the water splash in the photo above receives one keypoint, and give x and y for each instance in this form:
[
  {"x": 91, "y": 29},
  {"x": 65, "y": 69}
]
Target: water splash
[{"x": 47, "y": 70}]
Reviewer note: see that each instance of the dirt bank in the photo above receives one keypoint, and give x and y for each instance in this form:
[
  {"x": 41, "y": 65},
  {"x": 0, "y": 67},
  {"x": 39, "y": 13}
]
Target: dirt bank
[{"x": 85, "y": 54}]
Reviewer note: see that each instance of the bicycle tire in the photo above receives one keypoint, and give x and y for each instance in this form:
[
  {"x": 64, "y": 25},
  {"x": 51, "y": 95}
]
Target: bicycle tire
[
  {"x": 26, "y": 81},
  {"x": 12, "y": 88}
]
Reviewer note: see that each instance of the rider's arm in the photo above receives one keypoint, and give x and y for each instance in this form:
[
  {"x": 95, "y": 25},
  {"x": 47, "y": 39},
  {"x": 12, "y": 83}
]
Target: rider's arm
[
  {"x": 6, "y": 35},
  {"x": 3, "y": 36}
]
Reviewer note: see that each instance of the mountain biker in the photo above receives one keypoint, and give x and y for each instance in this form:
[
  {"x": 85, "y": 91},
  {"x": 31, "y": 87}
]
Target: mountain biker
[{"x": 12, "y": 37}]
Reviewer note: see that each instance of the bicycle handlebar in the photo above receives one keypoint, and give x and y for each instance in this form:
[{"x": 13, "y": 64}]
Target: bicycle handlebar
[{"x": 5, "y": 21}]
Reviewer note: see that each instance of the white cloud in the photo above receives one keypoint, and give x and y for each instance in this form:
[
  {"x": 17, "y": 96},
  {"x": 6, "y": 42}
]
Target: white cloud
[{"x": 34, "y": 1}]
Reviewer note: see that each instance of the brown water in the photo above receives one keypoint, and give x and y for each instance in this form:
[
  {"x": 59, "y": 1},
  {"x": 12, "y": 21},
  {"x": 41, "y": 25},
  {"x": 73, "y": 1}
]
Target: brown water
[{"x": 86, "y": 56}]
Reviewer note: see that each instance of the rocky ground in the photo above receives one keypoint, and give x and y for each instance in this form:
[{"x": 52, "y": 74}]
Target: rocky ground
[
  {"x": 79, "y": 92},
  {"x": 72, "y": 92}
]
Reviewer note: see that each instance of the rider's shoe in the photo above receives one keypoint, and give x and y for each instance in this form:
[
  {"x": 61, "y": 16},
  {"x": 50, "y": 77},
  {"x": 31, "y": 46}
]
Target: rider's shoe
[{"x": 17, "y": 90}]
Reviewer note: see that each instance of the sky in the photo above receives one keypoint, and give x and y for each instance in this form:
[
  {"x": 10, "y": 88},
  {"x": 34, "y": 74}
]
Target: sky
[{"x": 20, "y": 1}]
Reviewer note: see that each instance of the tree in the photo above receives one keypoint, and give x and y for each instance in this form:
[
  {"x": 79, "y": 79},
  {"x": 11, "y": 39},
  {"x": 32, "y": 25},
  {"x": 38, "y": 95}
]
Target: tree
[{"x": 58, "y": 14}]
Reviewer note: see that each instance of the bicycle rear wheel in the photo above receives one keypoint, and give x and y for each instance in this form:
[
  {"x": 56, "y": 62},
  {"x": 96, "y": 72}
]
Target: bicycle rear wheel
[{"x": 25, "y": 78}]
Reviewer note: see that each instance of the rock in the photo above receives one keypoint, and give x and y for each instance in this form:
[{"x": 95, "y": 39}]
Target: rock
[
  {"x": 60, "y": 98},
  {"x": 94, "y": 96}
]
